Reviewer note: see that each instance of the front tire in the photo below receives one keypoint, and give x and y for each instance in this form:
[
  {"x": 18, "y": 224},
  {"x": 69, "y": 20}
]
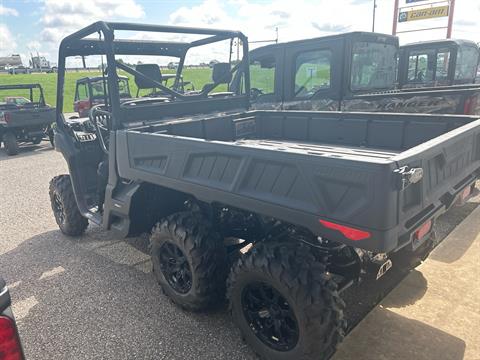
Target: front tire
[
  {"x": 65, "y": 208},
  {"x": 11, "y": 144},
  {"x": 285, "y": 303},
  {"x": 189, "y": 260},
  {"x": 36, "y": 140}
]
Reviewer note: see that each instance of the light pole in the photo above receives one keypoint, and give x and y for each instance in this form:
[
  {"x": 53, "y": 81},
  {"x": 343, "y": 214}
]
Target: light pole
[{"x": 374, "y": 9}]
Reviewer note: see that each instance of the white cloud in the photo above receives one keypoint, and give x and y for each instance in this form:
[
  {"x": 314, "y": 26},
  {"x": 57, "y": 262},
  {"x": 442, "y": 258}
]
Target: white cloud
[
  {"x": 302, "y": 19},
  {"x": 62, "y": 17},
  {"x": 7, "y": 40},
  {"x": 5, "y": 11}
]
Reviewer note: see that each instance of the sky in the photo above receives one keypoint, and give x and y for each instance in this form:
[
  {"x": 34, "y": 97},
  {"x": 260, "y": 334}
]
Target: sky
[{"x": 38, "y": 25}]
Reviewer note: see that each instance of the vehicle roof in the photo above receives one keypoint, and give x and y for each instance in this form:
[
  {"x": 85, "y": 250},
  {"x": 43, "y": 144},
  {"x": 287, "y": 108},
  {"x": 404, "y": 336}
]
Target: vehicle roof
[
  {"x": 441, "y": 42},
  {"x": 78, "y": 44},
  {"x": 390, "y": 38},
  {"x": 20, "y": 86}
]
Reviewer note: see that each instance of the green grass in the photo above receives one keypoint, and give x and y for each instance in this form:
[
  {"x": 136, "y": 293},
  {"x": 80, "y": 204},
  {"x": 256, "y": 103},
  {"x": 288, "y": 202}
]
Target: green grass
[{"x": 198, "y": 76}]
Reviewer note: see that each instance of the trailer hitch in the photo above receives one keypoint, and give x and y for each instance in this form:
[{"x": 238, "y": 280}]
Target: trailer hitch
[{"x": 406, "y": 176}]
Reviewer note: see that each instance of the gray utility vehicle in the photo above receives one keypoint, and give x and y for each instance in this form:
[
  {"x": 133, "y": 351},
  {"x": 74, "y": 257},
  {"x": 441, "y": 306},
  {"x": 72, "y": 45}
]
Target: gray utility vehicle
[
  {"x": 438, "y": 63},
  {"x": 10, "y": 346},
  {"x": 314, "y": 200},
  {"x": 24, "y": 119},
  {"x": 350, "y": 72}
]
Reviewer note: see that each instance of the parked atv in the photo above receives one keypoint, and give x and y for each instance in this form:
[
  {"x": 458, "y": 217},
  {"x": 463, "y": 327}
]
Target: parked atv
[{"x": 24, "y": 119}]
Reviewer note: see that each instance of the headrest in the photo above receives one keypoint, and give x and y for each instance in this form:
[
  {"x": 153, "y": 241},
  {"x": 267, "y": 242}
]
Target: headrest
[
  {"x": 152, "y": 71},
  {"x": 221, "y": 73}
]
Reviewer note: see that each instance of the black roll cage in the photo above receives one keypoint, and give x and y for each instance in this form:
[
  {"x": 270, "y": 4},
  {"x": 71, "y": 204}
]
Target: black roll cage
[
  {"x": 79, "y": 44},
  {"x": 30, "y": 87}
]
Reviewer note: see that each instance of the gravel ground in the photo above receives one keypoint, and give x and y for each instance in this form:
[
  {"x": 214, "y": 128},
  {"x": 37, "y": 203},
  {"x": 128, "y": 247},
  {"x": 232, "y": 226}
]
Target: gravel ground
[{"x": 94, "y": 297}]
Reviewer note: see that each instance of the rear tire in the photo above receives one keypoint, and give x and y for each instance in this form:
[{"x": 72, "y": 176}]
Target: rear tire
[
  {"x": 10, "y": 143},
  {"x": 37, "y": 140},
  {"x": 189, "y": 261},
  {"x": 65, "y": 208},
  {"x": 285, "y": 303}
]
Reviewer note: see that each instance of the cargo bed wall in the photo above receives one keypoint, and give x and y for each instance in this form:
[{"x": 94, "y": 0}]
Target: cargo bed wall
[
  {"x": 395, "y": 132},
  {"x": 294, "y": 187},
  {"x": 234, "y": 166},
  {"x": 450, "y": 162},
  {"x": 30, "y": 117}
]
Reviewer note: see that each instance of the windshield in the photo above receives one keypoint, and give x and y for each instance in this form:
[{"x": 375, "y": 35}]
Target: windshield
[
  {"x": 17, "y": 100},
  {"x": 467, "y": 61},
  {"x": 123, "y": 89},
  {"x": 20, "y": 96},
  {"x": 373, "y": 66}
]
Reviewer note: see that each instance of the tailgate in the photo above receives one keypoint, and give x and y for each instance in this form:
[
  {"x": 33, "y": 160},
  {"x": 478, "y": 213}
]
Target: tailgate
[
  {"x": 450, "y": 163},
  {"x": 30, "y": 117}
]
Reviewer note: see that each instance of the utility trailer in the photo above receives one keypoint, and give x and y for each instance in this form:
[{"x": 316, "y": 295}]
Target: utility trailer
[
  {"x": 24, "y": 119},
  {"x": 280, "y": 210}
]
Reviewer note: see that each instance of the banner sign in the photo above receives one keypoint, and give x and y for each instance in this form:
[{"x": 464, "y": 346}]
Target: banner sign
[{"x": 422, "y": 14}]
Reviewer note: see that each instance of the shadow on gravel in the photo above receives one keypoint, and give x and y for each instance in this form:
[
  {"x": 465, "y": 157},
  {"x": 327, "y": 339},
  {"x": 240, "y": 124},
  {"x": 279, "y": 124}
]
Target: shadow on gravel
[
  {"x": 417, "y": 285},
  {"x": 462, "y": 244},
  {"x": 362, "y": 298},
  {"x": 92, "y": 298},
  {"x": 388, "y": 335},
  {"x": 26, "y": 150}
]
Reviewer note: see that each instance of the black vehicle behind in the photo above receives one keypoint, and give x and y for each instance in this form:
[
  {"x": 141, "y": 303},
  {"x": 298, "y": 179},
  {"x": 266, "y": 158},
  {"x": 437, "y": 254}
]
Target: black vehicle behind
[
  {"x": 438, "y": 63},
  {"x": 349, "y": 72}
]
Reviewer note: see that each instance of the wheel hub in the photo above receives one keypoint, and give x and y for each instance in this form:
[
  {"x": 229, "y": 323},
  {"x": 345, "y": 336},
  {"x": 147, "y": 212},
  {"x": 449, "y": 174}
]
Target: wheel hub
[
  {"x": 175, "y": 267},
  {"x": 270, "y": 316}
]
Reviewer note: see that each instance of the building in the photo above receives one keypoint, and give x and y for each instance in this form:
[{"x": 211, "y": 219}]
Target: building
[
  {"x": 8, "y": 61},
  {"x": 39, "y": 62}
]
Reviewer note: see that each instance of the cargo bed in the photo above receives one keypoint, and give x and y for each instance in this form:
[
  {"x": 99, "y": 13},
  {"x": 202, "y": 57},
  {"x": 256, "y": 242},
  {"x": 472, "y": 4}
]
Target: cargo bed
[{"x": 303, "y": 167}]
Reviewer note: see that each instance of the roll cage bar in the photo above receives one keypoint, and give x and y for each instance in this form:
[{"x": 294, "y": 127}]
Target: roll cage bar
[
  {"x": 79, "y": 44},
  {"x": 30, "y": 87}
]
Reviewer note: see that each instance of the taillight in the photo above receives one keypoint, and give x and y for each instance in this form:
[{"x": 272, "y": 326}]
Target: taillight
[
  {"x": 10, "y": 348},
  {"x": 470, "y": 105},
  {"x": 5, "y": 116},
  {"x": 347, "y": 231},
  {"x": 423, "y": 230}
]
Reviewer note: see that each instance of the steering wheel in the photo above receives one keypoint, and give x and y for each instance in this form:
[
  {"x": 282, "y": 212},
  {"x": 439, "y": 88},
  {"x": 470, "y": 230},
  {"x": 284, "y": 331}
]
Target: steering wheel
[
  {"x": 256, "y": 92},
  {"x": 100, "y": 120}
]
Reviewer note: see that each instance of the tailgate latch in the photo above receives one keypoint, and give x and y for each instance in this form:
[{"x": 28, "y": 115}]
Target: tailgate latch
[{"x": 407, "y": 176}]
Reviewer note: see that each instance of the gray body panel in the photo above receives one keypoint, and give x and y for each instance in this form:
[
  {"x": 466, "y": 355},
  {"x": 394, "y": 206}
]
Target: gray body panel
[{"x": 304, "y": 166}]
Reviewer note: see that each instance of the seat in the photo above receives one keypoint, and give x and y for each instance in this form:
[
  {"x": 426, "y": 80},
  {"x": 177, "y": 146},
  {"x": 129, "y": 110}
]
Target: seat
[
  {"x": 152, "y": 71},
  {"x": 221, "y": 74}
]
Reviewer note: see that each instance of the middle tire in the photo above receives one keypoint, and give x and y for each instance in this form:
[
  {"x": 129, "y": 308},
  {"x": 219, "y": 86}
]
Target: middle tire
[{"x": 189, "y": 260}]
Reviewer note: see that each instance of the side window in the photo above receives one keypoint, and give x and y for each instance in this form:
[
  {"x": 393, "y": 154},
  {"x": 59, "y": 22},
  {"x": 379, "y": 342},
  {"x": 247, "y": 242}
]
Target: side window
[
  {"x": 420, "y": 67},
  {"x": 312, "y": 72},
  {"x": 467, "y": 60},
  {"x": 82, "y": 92},
  {"x": 262, "y": 76},
  {"x": 443, "y": 62}
]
